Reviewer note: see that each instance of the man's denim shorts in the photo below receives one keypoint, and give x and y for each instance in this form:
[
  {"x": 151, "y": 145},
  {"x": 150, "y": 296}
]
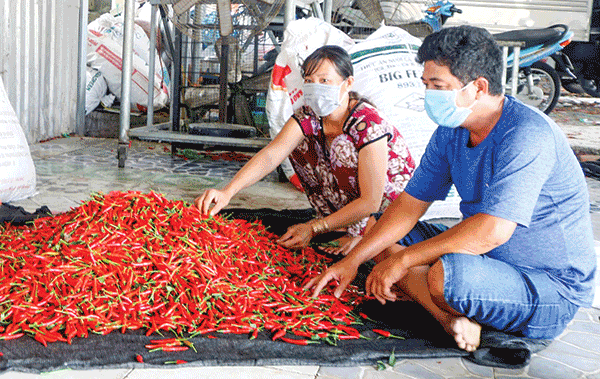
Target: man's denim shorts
[
  {"x": 506, "y": 297},
  {"x": 513, "y": 299}
]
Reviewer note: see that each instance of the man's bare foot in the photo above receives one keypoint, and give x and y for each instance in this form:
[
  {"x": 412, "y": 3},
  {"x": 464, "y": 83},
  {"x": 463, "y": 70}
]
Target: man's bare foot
[{"x": 466, "y": 333}]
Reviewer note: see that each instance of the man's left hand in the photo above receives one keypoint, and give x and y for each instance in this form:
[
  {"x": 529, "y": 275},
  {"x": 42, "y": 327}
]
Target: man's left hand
[{"x": 383, "y": 277}]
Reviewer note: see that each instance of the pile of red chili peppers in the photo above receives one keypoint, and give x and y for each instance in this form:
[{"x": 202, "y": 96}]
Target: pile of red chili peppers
[{"x": 129, "y": 260}]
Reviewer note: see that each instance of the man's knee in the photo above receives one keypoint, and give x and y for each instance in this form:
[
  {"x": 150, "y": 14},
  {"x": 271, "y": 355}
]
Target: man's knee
[{"x": 435, "y": 282}]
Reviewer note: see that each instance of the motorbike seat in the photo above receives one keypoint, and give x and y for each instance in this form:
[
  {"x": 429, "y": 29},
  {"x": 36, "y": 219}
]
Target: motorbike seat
[{"x": 531, "y": 37}]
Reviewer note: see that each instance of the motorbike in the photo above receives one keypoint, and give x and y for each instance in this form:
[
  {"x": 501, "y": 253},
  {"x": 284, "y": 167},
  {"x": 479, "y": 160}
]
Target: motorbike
[
  {"x": 538, "y": 83},
  {"x": 579, "y": 68},
  {"x": 578, "y": 64},
  {"x": 437, "y": 14}
]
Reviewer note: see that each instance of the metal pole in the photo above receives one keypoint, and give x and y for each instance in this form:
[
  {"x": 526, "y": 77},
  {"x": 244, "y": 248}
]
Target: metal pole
[
  {"x": 504, "y": 67},
  {"x": 515, "y": 70},
  {"x": 255, "y": 60},
  {"x": 316, "y": 7},
  {"x": 82, "y": 59},
  {"x": 152, "y": 63},
  {"x": 223, "y": 79},
  {"x": 327, "y": 10},
  {"x": 289, "y": 12},
  {"x": 126, "y": 82},
  {"x": 164, "y": 17},
  {"x": 225, "y": 29},
  {"x": 176, "y": 98},
  {"x": 274, "y": 40},
  {"x": 196, "y": 50}
]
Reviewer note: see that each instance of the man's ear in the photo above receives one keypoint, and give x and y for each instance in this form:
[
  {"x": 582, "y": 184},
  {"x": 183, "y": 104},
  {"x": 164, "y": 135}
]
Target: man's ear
[{"x": 482, "y": 85}]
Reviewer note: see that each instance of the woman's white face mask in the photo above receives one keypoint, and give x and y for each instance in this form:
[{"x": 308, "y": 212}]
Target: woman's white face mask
[{"x": 323, "y": 99}]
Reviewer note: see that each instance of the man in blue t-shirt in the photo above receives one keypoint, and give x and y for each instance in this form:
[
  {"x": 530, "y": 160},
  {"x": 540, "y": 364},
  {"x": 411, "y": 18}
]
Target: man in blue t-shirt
[{"x": 522, "y": 259}]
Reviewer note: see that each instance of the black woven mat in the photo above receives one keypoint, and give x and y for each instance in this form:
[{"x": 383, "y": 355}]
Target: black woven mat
[
  {"x": 19, "y": 216},
  {"x": 424, "y": 338}
]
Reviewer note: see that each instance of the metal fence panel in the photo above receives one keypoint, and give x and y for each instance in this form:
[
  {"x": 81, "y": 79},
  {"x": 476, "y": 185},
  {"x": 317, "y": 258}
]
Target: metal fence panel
[{"x": 38, "y": 63}]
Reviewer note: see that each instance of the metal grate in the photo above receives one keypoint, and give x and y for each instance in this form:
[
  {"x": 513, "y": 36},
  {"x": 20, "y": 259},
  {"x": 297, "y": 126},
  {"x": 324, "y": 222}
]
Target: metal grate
[{"x": 360, "y": 18}]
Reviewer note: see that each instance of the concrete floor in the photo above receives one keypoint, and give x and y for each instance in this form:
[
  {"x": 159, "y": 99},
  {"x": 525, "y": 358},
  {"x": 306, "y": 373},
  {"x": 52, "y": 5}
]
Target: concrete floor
[{"x": 69, "y": 169}]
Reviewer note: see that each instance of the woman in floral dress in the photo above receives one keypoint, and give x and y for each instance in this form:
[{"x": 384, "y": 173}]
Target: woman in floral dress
[{"x": 351, "y": 161}]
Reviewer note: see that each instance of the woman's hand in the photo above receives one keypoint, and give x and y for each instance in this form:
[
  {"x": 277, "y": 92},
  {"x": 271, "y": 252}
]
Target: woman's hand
[
  {"x": 219, "y": 198},
  {"x": 346, "y": 244},
  {"x": 297, "y": 236},
  {"x": 383, "y": 277},
  {"x": 343, "y": 272}
]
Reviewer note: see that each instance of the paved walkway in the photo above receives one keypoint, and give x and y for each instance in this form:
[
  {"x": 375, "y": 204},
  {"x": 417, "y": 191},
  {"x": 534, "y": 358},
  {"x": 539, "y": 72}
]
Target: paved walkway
[{"x": 70, "y": 169}]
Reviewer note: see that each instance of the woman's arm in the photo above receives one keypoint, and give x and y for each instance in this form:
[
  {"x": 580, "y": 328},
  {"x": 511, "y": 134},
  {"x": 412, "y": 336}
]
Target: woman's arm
[
  {"x": 261, "y": 164},
  {"x": 372, "y": 171}
]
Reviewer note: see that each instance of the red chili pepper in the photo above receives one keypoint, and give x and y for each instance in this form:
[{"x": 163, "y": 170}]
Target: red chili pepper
[
  {"x": 40, "y": 338},
  {"x": 166, "y": 341},
  {"x": 297, "y": 342},
  {"x": 139, "y": 358},
  {"x": 278, "y": 334},
  {"x": 385, "y": 333},
  {"x": 175, "y": 348},
  {"x": 348, "y": 337},
  {"x": 128, "y": 260}
]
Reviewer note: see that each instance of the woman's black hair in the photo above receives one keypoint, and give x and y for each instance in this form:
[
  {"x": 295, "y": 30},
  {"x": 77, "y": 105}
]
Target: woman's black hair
[
  {"x": 469, "y": 52},
  {"x": 335, "y": 54}
]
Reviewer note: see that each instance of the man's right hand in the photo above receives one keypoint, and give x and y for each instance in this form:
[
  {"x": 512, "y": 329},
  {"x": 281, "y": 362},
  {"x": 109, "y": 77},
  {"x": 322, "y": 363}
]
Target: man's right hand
[
  {"x": 343, "y": 272},
  {"x": 219, "y": 198}
]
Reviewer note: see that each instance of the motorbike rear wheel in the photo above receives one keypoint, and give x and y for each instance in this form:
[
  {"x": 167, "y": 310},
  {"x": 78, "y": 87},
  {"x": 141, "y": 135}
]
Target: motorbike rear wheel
[
  {"x": 591, "y": 87},
  {"x": 546, "y": 87},
  {"x": 572, "y": 86}
]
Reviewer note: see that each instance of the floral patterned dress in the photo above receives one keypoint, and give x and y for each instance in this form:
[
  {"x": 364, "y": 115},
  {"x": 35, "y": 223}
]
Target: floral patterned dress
[{"x": 329, "y": 174}]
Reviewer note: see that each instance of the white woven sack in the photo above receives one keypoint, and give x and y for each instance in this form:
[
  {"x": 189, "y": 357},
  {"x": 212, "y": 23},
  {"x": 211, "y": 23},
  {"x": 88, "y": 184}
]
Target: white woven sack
[
  {"x": 105, "y": 54},
  {"x": 284, "y": 96},
  {"x": 17, "y": 172},
  {"x": 386, "y": 72},
  {"x": 95, "y": 89}
]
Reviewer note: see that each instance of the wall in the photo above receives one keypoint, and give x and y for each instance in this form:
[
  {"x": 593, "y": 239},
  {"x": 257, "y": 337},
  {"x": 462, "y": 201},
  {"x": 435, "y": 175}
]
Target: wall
[
  {"x": 502, "y": 15},
  {"x": 39, "y": 64}
]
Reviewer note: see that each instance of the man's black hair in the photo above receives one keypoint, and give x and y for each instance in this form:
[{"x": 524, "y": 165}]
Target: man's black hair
[{"x": 469, "y": 52}]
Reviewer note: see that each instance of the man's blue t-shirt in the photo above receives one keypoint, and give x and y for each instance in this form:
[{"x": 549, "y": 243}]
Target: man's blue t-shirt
[{"x": 523, "y": 171}]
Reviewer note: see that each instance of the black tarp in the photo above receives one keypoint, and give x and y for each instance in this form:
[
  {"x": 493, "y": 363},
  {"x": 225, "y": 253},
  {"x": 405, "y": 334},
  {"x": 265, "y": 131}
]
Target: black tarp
[
  {"x": 18, "y": 215},
  {"x": 424, "y": 338}
]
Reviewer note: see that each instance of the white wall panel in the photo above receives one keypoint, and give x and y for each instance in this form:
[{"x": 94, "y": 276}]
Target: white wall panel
[{"x": 38, "y": 63}]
